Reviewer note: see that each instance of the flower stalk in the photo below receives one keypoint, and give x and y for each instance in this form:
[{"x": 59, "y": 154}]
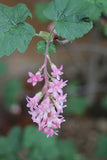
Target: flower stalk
[{"x": 47, "y": 106}]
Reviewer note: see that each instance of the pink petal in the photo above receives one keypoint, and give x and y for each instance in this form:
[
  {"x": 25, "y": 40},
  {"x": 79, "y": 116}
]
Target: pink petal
[
  {"x": 30, "y": 74},
  {"x": 34, "y": 83},
  {"x": 58, "y": 77},
  {"x": 61, "y": 67},
  {"x": 29, "y": 80}
]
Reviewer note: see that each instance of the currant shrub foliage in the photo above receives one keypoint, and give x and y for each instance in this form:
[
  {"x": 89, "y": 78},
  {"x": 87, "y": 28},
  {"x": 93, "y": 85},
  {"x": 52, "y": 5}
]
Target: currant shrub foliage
[
  {"x": 14, "y": 32},
  {"x": 72, "y": 20},
  {"x": 101, "y": 3},
  {"x": 30, "y": 144}
]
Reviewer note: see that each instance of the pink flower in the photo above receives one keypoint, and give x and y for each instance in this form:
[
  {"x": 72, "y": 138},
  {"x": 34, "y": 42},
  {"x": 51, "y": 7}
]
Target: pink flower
[
  {"x": 34, "y": 78},
  {"x": 59, "y": 107},
  {"x": 46, "y": 116},
  {"x": 56, "y": 72},
  {"x": 56, "y": 86},
  {"x": 50, "y": 132},
  {"x": 33, "y": 102},
  {"x": 46, "y": 106},
  {"x": 60, "y": 98}
]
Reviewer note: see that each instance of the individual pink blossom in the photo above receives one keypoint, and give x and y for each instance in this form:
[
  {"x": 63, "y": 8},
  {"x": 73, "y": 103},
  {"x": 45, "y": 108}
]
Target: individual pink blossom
[
  {"x": 34, "y": 78},
  {"x": 56, "y": 86},
  {"x": 60, "y": 98},
  {"x": 50, "y": 132},
  {"x": 32, "y": 102},
  {"x": 56, "y": 72},
  {"x": 59, "y": 107}
]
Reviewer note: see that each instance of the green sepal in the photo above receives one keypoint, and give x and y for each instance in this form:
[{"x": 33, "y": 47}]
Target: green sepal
[
  {"x": 45, "y": 35},
  {"x": 41, "y": 46}
]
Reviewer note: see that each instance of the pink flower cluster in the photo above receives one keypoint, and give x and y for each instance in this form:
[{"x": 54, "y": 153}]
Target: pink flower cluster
[{"x": 46, "y": 106}]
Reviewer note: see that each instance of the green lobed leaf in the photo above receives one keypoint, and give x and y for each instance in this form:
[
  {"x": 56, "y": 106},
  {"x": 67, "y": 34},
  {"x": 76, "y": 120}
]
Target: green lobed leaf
[
  {"x": 100, "y": 6},
  {"x": 39, "y": 144},
  {"x": 14, "y": 32},
  {"x": 73, "y": 87},
  {"x": 35, "y": 153},
  {"x": 40, "y": 7},
  {"x": 11, "y": 92},
  {"x": 80, "y": 158},
  {"x": 101, "y": 147},
  {"x": 73, "y": 18},
  {"x": 41, "y": 46},
  {"x": 104, "y": 102},
  {"x": 9, "y": 157},
  {"x": 100, "y": 3},
  {"x": 67, "y": 150},
  {"x": 104, "y": 5},
  {"x": 16, "y": 144},
  {"x": 11, "y": 145},
  {"x": 105, "y": 30},
  {"x": 29, "y": 135},
  {"x": 4, "y": 147},
  {"x": 77, "y": 105}
]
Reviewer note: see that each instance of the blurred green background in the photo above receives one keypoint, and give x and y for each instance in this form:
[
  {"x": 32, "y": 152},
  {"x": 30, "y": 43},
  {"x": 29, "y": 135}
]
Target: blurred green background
[{"x": 84, "y": 134}]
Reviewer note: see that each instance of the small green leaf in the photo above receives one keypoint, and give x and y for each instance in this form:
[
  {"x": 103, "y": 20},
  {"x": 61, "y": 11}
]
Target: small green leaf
[
  {"x": 80, "y": 158},
  {"x": 14, "y": 32},
  {"x": 41, "y": 46},
  {"x": 67, "y": 149},
  {"x": 11, "y": 92},
  {"x": 50, "y": 149},
  {"x": 93, "y": 1},
  {"x": 104, "y": 5},
  {"x": 11, "y": 145},
  {"x": 98, "y": 9},
  {"x": 73, "y": 87},
  {"x": 29, "y": 137},
  {"x": 104, "y": 102},
  {"x": 16, "y": 145},
  {"x": 35, "y": 153},
  {"x": 101, "y": 148},
  {"x": 72, "y": 17},
  {"x": 4, "y": 147},
  {"x": 46, "y": 147},
  {"x": 9, "y": 157},
  {"x": 77, "y": 105},
  {"x": 105, "y": 30},
  {"x": 40, "y": 7}
]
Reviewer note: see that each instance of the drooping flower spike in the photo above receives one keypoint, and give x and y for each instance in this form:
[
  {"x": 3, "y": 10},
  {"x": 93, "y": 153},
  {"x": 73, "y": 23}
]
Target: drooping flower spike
[{"x": 46, "y": 106}]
